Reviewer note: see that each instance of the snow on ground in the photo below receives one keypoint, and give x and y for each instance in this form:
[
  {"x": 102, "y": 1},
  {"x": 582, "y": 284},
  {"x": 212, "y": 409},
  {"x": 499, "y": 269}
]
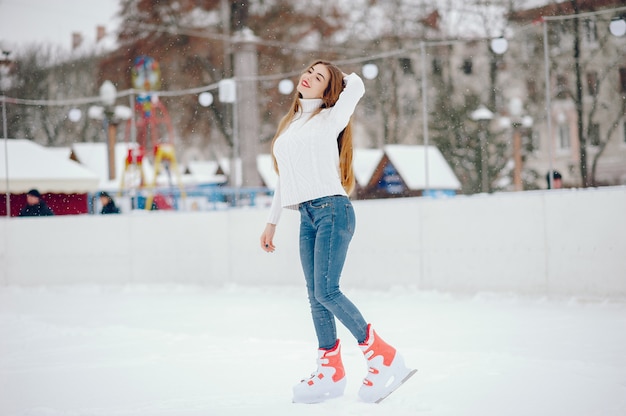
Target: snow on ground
[{"x": 165, "y": 350}]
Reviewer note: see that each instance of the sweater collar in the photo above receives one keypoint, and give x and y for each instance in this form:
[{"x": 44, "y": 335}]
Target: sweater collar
[{"x": 310, "y": 104}]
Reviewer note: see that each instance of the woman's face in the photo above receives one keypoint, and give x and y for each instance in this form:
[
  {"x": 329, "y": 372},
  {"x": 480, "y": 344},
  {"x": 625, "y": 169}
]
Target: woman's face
[{"x": 314, "y": 81}]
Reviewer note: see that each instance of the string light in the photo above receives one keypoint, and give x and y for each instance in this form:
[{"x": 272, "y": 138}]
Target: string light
[
  {"x": 285, "y": 86},
  {"x": 205, "y": 99},
  {"x": 214, "y": 86}
]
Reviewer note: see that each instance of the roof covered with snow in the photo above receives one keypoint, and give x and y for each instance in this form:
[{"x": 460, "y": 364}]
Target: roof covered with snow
[
  {"x": 364, "y": 163},
  {"x": 94, "y": 156},
  {"x": 410, "y": 162},
  {"x": 31, "y": 165}
]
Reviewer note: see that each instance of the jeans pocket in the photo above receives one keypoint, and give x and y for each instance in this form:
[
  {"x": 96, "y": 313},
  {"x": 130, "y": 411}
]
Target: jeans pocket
[{"x": 350, "y": 219}]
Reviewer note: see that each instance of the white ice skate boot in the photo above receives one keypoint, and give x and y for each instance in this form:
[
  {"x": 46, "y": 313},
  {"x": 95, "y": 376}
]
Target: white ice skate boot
[
  {"x": 327, "y": 382},
  {"x": 387, "y": 371}
]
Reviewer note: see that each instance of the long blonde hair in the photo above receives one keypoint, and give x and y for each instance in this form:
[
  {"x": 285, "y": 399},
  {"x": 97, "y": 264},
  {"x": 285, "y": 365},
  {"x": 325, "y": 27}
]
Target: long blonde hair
[{"x": 344, "y": 140}]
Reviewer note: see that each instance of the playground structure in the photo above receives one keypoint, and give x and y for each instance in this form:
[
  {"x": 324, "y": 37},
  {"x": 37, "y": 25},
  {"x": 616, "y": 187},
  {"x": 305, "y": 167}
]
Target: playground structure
[{"x": 153, "y": 127}]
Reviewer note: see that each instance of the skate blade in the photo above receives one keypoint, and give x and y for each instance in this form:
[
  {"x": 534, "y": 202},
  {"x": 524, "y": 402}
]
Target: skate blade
[{"x": 394, "y": 388}]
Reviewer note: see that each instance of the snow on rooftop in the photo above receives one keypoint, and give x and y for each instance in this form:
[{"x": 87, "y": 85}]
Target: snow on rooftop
[
  {"x": 365, "y": 162},
  {"x": 63, "y": 152},
  {"x": 34, "y": 166},
  {"x": 94, "y": 156},
  {"x": 205, "y": 171},
  {"x": 410, "y": 162},
  {"x": 203, "y": 167}
]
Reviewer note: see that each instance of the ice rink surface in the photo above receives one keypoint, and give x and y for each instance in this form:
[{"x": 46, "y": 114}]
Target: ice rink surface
[{"x": 168, "y": 350}]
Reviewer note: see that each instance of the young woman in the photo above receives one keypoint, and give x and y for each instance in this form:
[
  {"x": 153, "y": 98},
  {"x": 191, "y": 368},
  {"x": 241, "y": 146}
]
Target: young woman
[{"x": 312, "y": 152}]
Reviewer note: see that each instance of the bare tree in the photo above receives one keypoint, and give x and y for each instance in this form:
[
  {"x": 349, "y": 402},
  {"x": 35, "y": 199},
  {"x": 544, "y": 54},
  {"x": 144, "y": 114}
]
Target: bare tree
[
  {"x": 612, "y": 103},
  {"x": 47, "y": 74},
  {"x": 192, "y": 53}
]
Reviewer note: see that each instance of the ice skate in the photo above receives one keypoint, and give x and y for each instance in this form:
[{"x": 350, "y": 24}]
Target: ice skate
[
  {"x": 329, "y": 381},
  {"x": 387, "y": 370}
]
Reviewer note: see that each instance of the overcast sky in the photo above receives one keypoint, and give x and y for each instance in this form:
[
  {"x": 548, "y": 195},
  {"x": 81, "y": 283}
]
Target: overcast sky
[
  {"x": 25, "y": 22},
  {"x": 53, "y": 21}
]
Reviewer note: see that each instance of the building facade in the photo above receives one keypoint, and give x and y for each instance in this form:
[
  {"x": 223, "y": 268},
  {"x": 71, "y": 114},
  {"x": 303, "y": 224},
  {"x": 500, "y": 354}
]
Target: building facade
[{"x": 586, "y": 87}]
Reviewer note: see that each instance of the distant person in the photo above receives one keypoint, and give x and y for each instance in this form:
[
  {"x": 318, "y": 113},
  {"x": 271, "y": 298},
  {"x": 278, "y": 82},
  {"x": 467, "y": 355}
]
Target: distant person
[
  {"x": 557, "y": 182},
  {"x": 35, "y": 206},
  {"x": 108, "y": 205}
]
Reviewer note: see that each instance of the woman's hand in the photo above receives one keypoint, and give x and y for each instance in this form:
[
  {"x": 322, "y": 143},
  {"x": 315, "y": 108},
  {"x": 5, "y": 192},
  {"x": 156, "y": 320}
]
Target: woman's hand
[{"x": 267, "y": 238}]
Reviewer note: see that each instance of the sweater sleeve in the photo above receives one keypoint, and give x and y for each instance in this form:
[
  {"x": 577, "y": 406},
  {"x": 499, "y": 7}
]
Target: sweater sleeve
[
  {"x": 348, "y": 99},
  {"x": 276, "y": 208}
]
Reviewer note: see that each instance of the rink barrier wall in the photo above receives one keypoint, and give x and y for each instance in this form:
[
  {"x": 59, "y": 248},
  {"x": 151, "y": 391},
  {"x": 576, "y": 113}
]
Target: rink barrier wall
[{"x": 561, "y": 242}]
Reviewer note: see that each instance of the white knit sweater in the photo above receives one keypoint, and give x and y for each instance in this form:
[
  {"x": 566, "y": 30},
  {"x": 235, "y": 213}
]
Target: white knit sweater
[{"x": 307, "y": 152}]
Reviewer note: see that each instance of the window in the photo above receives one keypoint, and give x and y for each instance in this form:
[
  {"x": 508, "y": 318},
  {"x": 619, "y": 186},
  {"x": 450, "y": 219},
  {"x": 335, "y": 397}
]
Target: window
[
  {"x": 590, "y": 30},
  {"x": 529, "y": 46},
  {"x": 408, "y": 105},
  {"x": 467, "y": 66},
  {"x": 561, "y": 87},
  {"x": 529, "y": 142},
  {"x": 535, "y": 140},
  {"x": 405, "y": 64},
  {"x": 554, "y": 36},
  {"x": 592, "y": 83},
  {"x": 594, "y": 134},
  {"x": 564, "y": 142},
  {"x": 531, "y": 89},
  {"x": 622, "y": 78},
  {"x": 437, "y": 66},
  {"x": 624, "y": 127}
]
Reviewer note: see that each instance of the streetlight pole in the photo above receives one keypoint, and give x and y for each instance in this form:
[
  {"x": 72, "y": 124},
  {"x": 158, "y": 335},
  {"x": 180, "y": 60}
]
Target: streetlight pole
[
  {"x": 108, "y": 94},
  {"x": 515, "y": 108},
  {"x": 110, "y": 114},
  {"x": 548, "y": 99},
  {"x": 425, "y": 117},
  {"x": 228, "y": 94},
  {"x": 483, "y": 115},
  {"x": 6, "y": 144},
  {"x": 6, "y": 153},
  {"x": 517, "y": 158},
  {"x": 518, "y": 121}
]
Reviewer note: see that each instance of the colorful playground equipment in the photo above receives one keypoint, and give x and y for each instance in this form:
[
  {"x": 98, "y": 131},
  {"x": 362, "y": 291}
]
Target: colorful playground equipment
[{"x": 153, "y": 126}]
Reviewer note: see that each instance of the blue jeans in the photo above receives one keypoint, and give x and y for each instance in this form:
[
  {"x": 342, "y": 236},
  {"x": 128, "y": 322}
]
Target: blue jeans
[{"x": 326, "y": 228}]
